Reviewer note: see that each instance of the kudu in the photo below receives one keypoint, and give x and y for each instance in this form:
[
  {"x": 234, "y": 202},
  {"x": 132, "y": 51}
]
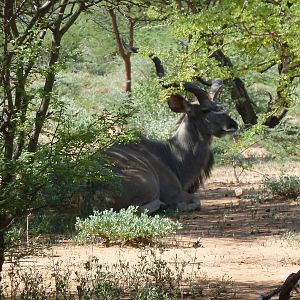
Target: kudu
[
  {"x": 158, "y": 174},
  {"x": 161, "y": 174}
]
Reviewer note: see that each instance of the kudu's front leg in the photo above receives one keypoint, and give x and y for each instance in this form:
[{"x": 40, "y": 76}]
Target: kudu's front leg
[
  {"x": 152, "y": 207},
  {"x": 191, "y": 202}
]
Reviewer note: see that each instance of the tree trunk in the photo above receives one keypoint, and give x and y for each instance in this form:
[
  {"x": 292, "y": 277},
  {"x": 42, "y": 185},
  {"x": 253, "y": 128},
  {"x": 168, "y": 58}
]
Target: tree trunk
[
  {"x": 5, "y": 222},
  {"x": 243, "y": 102},
  {"x": 125, "y": 56},
  {"x": 48, "y": 87},
  {"x": 239, "y": 94},
  {"x": 273, "y": 121},
  {"x": 127, "y": 62},
  {"x": 2, "y": 248},
  {"x": 283, "y": 68}
]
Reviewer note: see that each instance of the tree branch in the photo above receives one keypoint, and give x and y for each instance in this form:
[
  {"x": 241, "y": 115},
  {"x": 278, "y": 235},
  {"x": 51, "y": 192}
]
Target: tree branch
[
  {"x": 40, "y": 12},
  {"x": 285, "y": 289},
  {"x": 267, "y": 66},
  {"x": 48, "y": 87},
  {"x": 116, "y": 31},
  {"x": 73, "y": 18}
]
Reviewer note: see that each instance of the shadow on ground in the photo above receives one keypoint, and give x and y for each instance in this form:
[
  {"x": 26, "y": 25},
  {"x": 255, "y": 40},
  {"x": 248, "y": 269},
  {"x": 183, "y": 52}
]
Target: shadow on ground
[
  {"x": 224, "y": 215},
  {"x": 242, "y": 221}
]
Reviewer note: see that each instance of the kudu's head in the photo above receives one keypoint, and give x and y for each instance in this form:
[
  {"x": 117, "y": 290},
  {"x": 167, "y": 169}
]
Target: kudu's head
[{"x": 206, "y": 115}]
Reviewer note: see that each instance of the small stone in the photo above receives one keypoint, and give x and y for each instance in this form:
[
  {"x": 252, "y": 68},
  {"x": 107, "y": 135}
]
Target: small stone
[{"x": 238, "y": 192}]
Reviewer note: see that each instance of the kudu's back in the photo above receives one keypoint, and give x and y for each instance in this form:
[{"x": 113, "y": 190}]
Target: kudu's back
[{"x": 158, "y": 174}]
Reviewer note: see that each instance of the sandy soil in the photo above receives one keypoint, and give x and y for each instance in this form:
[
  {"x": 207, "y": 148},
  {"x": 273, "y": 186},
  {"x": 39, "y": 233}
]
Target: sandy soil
[{"x": 254, "y": 244}]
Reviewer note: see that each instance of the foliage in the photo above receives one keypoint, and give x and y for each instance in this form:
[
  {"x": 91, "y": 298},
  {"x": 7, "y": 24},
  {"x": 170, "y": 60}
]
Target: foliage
[
  {"x": 230, "y": 149},
  {"x": 98, "y": 282},
  {"x": 283, "y": 141},
  {"x": 125, "y": 226},
  {"x": 92, "y": 93},
  {"x": 13, "y": 235},
  {"x": 31, "y": 284},
  {"x": 284, "y": 187},
  {"x": 238, "y": 28},
  {"x": 280, "y": 142},
  {"x": 34, "y": 121},
  {"x": 153, "y": 117},
  {"x": 236, "y": 41},
  {"x": 292, "y": 237},
  {"x": 86, "y": 38},
  {"x": 52, "y": 222},
  {"x": 73, "y": 147},
  {"x": 57, "y": 120},
  {"x": 150, "y": 114}
]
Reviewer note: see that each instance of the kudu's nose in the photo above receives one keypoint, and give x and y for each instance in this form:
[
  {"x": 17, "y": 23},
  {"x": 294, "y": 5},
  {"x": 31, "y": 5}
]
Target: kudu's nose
[{"x": 232, "y": 127}]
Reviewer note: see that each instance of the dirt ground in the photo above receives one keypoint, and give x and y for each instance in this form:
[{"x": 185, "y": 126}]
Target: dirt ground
[{"x": 256, "y": 245}]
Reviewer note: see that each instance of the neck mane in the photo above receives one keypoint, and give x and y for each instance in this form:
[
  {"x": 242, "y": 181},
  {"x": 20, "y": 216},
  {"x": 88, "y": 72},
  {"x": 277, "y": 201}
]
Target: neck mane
[{"x": 192, "y": 158}]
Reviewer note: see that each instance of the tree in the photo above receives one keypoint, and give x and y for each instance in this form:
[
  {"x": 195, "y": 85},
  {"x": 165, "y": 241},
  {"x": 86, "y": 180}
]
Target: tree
[
  {"x": 125, "y": 19},
  {"x": 232, "y": 39},
  {"x": 37, "y": 139},
  {"x": 122, "y": 51}
]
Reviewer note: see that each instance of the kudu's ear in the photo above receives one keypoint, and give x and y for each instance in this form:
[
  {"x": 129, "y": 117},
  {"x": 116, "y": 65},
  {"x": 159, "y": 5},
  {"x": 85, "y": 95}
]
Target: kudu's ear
[{"x": 178, "y": 104}]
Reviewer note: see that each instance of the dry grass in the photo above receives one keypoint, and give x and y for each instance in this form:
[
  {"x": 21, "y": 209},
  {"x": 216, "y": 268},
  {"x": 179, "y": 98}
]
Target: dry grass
[{"x": 234, "y": 248}]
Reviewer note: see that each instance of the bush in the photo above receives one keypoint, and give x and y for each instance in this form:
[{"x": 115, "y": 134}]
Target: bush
[
  {"x": 125, "y": 226},
  {"x": 152, "y": 277},
  {"x": 285, "y": 186},
  {"x": 52, "y": 222},
  {"x": 283, "y": 140}
]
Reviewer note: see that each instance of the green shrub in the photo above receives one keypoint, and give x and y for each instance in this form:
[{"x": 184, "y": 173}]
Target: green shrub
[
  {"x": 52, "y": 222},
  {"x": 125, "y": 226},
  {"x": 283, "y": 140},
  {"x": 285, "y": 186}
]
